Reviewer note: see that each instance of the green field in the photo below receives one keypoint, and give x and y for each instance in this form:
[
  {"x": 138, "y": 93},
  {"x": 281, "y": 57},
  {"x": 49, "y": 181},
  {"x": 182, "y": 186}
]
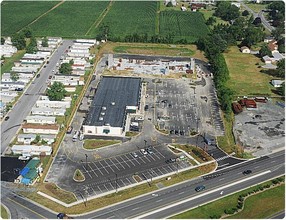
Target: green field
[
  {"x": 189, "y": 25},
  {"x": 16, "y": 15},
  {"x": 129, "y": 17},
  {"x": 71, "y": 19},
  {"x": 256, "y": 7}
]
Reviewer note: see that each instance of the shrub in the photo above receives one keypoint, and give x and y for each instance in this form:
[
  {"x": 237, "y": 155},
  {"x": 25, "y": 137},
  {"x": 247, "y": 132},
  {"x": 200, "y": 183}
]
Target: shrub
[
  {"x": 280, "y": 179},
  {"x": 275, "y": 181}
]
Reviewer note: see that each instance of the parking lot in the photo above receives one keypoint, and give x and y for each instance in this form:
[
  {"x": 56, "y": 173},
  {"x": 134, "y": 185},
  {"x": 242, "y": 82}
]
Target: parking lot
[
  {"x": 175, "y": 105},
  {"x": 115, "y": 172}
]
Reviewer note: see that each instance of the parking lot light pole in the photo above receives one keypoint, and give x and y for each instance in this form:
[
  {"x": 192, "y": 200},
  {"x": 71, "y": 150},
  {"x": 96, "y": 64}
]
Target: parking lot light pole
[
  {"x": 145, "y": 142},
  {"x": 86, "y": 160}
]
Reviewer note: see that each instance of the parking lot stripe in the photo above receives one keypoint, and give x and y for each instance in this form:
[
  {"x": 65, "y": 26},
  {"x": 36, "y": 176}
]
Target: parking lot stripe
[
  {"x": 98, "y": 169},
  {"x": 129, "y": 181},
  {"x": 112, "y": 186},
  {"x": 103, "y": 167},
  {"x": 165, "y": 170},
  {"x": 108, "y": 166},
  {"x": 105, "y": 187},
  {"x": 155, "y": 155},
  {"x": 129, "y": 160},
  {"x": 122, "y": 182},
  {"x": 99, "y": 189},
  {"x": 135, "y": 159},
  {"x": 119, "y": 163},
  {"x": 142, "y": 159},
  {"x": 152, "y": 157},
  {"x": 93, "y": 170},
  {"x": 87, "y": 172},
  {"x": 114, "y": 164},
  {"x": 125, "y": 161},
  {"x": 160, "y": 171}
]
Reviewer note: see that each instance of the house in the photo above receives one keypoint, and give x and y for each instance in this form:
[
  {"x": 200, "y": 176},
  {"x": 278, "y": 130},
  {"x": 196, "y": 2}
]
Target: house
[
  {"x": 28, "y": 138},
  {"x": 39, "y": 119},
  {"x": 41, "y": 129},
  {"x": 30, "y": 173},
  {"x": 245, "y": 49},
  {"x": 237, "y": 4},
  {"x": 248, "y": 103},
  {"x": 268, "y": 39},
  {"x": 267, "y": 59},
  {"x": 12, "y": 86},
  {"x": 277, "y": 56},
  {"x": 31, "y": 150},
  {"x": 7, "y": 50},
  {"x": 277, "y": 82},
  {"x": 48, "y": 111},
  {"x": 272, "y": 45},
  {"x": 45, "y": 102},
  {"x": 21, "y": 69}
]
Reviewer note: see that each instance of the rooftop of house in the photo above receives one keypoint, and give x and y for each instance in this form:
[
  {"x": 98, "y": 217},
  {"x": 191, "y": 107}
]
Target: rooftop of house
[{"x": 39, "y": 126}]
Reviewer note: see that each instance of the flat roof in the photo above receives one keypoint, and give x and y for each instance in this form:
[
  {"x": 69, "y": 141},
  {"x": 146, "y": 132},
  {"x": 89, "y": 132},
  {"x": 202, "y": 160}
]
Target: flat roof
[
  {"x": 151, "y": 58},
  {"x": 112, "y": 96}
]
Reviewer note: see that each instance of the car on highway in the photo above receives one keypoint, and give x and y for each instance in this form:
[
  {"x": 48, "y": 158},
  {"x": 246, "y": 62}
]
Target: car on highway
[
  {"x": 134, "y": 154},
  {"x": 200, "y": 188},
  {"x": 246, "y": 172},
  {"x": 143, "y": 151},
  {"x": 6, "y": 118}
]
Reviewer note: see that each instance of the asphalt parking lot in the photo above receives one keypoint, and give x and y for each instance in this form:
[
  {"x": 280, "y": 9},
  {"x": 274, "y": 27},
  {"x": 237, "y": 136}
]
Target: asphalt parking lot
[{"x": 118, "y": 171}]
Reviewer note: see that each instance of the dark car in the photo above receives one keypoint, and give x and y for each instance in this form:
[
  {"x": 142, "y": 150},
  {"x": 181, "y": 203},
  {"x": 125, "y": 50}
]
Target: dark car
[
  {"x": 172, "y": 160},
  {"x": 246, "y": 172},
  {"x": 6, "y": 118},
  {"x": 149, "y": 150},
  {"x": 200, "y": 188}
]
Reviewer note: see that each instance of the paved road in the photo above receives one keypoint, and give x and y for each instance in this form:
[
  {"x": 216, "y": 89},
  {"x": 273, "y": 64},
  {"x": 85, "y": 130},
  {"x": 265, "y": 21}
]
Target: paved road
[
  {"x": 24, "y": 105},
  {"x": 260, "y": 14}
]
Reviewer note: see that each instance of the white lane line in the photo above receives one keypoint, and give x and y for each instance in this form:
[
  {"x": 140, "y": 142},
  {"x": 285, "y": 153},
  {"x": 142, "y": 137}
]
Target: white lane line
[
  {"x": 201, "y": 195},
  {"x": 105, "y": 187},
  {"x": 93, "y": 170},
  {"x": 135, "y": 208},
  {"x": 159, "y": 200},
  {"x": 160, "y": 171},
  {"x": 137, "y": 161},
  {"x": 181, "y": 193},
  {"x": 129, "y": 181},
  {"x": 165, "y": 170},
  {"x": 98, "y": 169},
  {"x": 103, "y": 167},
  {"x": 114, "y": 164},
  {"x": 256, "y": 167},
  {"x": 221, "y": 179},
  {"x": 109, "y": 166},
  {"x": 110, "y": 217},
  {"x": 156, "y": 156},
  {"x": 111, "y": 185},
  {"x": 119, "y": 163},
  {"x": 152, "y": 157}
]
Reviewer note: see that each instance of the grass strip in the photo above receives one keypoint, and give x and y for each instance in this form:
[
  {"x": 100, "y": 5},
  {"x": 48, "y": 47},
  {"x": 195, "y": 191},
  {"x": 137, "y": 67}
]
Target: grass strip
[
  {"x": 4, "y": 213},
  {"x": 98, "y": 143}
]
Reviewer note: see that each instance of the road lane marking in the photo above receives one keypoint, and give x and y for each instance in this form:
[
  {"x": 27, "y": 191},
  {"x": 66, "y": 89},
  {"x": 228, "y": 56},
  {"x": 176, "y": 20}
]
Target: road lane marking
[
  {"x": 181, "y": 193},
  {"x": 159, "y": 200}
]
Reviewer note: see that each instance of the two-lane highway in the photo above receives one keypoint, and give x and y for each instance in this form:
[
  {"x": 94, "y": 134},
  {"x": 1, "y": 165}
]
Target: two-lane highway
[{"x": 24, "y": 105}]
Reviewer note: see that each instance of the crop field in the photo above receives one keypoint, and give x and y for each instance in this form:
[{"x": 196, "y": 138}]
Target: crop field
[
  {"x": 189, "y": 25},
  {"x": 129, "y": 17},
  {"x": 16, "y": 15},
  {"x": 71, "y": 19}
]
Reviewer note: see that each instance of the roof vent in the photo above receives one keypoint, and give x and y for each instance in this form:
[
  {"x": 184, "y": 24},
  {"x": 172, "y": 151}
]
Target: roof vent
[
  {"x": 102, "y": 113},
  {"x": 103, "y": 108},
  {"x": 100, "y": 118},
  {"x": 107, "y": 124},
  {"x": 112, "y": 103}
]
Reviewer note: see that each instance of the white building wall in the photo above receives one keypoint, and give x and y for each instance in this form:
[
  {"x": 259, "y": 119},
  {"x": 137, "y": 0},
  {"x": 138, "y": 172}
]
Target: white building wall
[
  {"x": 98, "y": 130},
  {"x": 41, "y": 119}
]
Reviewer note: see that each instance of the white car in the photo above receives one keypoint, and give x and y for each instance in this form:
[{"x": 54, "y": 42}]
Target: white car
[
  {"x": 143, "y": 151},
  {"x": 134, "y": 154}
]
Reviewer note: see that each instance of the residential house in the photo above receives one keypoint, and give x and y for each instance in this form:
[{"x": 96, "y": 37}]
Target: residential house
[
  {"x": 245, "y": 49},
  {"x": 31, "y": 150},
  {"x": 30, "y": 173},
  {"x": 48, "y": 111},
  {"x": 272, "y": 45},
  {"x": 41, "y": 129},
  {"x": 28, "y": 138},
  {"x": 7, "y": 50},
  {"x": 237, "y": 4},
  {"x": 12, "y": 86},
  {"x": 277, "y": 82},
  {"x": 45, "y": 102},
  {"x": 39, "y": 119},
  {"x": 268, "y": 39},
  {"x": 21, "y": 69}
]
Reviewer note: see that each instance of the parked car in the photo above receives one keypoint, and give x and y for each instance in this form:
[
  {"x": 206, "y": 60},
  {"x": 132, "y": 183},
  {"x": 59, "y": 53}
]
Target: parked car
[
  {"x": 246, "y": 172},
  {"x": 149, "y": 150},
  {"x": 200, "y": 188},
  {"x": 143, "y": 151},
  {"x": 134, "y": 154},
  {"x": 69, "y": 130},
  {"x": 6, "y": 118}
]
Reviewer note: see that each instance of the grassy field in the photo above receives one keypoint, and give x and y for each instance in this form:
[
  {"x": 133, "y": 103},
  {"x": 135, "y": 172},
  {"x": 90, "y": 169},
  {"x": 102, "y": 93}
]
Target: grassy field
[
  {"x": 207, "y": 13},
  {"x": 189, "y": 25},
  {"x": 252, "y": 209},
  {"x": 67, "y": 21},
  {"x": 9, "y": 62},
  {"x": 256, "y": 7},
  {"x": 245, "y": 78},
  {"x": 13, "y": 17},
  {"x": 129, "y": 17},
  {"x": 263, "y": 205},
  {"x": 93, "y": 144},
  {"x": 4, "y": 213}
]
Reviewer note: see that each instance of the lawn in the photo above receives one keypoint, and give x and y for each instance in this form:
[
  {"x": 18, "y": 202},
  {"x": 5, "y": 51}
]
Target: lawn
[
  {"x": 253, "y": 205},
  {"x": 207, "y": 13},
  {"x": 183, "y": 24},
  {"x": 245, "y": 78},
  {"x": 256, "y": 7},
  {"x": 9, "y": 61},
  {"x": 68, "y": 21},
  {"x": 17, "y": 14},
  {"x": 4, "y": 213},
  {"x": 93, "y": 144},
  {"x": 263, "y": 205},
  {"x": 130, "y": 17}
]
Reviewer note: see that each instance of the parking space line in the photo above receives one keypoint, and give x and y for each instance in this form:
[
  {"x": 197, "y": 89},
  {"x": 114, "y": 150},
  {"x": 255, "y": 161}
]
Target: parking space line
[
  {"x": 165, "y": 169},
  {"x": 93, "y": 190},
  {"x": 87, "y": 172},
  {"x": 123, "y": 182},
  {"x": 160, "y": 171},
  {"x": 137, "y": 161},
  {"x": 125, "y": 161},
  {"x": 93, "y": 170},
  {"x": 156, "y": 155},
  {"x": 119, "y": 163},
  {"x": 142, "y": 159},
  {"x": 152, "y": 157},
  {"x": 108, "y": 166},
  {"x": 111, "y": 185},
  {"x": 103, "y": 167},
  {"x": 129, "y": 160},
  {"x": 98, "y": 169},
  {"x": 160, "y": 153},
  {"x": 129, "y": 181},
  {"x": 114, "y": 164},
  {"x": 99, "y": 189}
]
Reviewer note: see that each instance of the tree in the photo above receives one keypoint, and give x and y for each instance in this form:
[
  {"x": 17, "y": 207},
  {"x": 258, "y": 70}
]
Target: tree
[
  {"x": 32, "y": 47},
  {"x": 281, "y": 68},
  {"x": 281, "y": 90},
  {"x": 103, "y": 32},
  {"x": 45, "y": 42},
  {"x": 65, "y": 68},
  {"x": 253, "y": 35},
  {"x": 226, "y": 11},
  {"x": 18, "y": 40},
  {"x": 211, "y": 21},
  {"x": 27, "y": 32},
  {"x": 264, "y": 51},
  {"x": 245, "y": 13},
  {"x": 14, "y": 76},
  {"x": 257, "y": 21},
  {"x": 281, "y": 45},
  {"x": 169, "y": 4},
  {"x": 56, "y": 92},
  {"x": 2, "y": 40},
  {"x": 277, "y": 33}
]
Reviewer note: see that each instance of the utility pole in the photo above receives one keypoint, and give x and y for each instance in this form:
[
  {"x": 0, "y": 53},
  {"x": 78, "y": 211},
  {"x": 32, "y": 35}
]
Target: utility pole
[{"x": 86, "y": 160}]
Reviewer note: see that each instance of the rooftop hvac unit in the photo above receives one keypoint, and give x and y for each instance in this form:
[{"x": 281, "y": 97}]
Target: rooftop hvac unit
[
  {"x": 107, "y": 124},
  {"x": 103, "y": 108},
  {"x": 112, "y": 103},
  {"x": 102, "y": 113},
  {"x": 100, "y": 118}
]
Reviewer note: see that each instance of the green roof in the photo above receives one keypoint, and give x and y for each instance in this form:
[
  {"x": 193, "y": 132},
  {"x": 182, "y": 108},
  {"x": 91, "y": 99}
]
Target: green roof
[
  {"x": 34, "y": 163},
  {"x": 32, "y": 174}
]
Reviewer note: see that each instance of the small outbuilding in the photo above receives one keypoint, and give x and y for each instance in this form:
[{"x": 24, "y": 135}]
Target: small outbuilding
[
  {"x": 245, "y": 49},
  {"x": 277, "y": 82}
]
